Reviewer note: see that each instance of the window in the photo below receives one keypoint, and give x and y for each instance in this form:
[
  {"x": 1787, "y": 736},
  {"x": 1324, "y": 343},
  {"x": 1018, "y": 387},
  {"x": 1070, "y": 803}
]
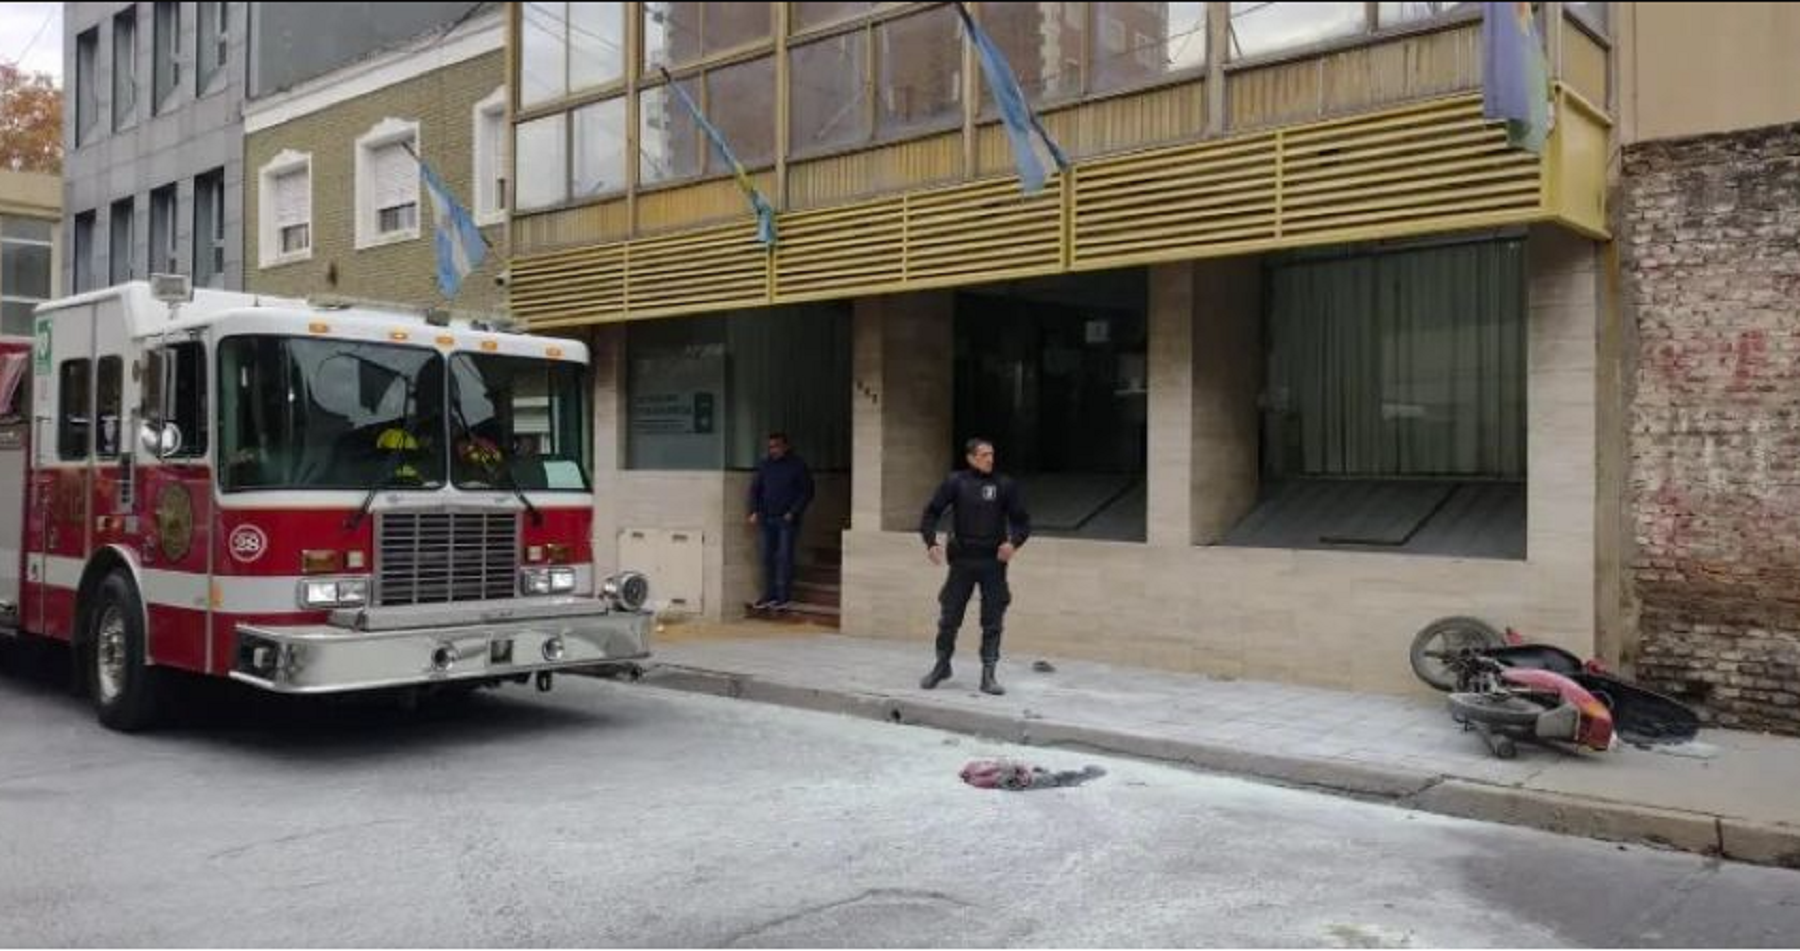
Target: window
[
  {"x": 387, "y": 183},
  {"x": 83, "y": 252},
  {"x": 1034, "y": 37},
  {"x": 919, "y": 73},
  {"x": 124, "y": 69},
  {"x": 209, "y": 229},
  {"x": 569, "y": 47},
  {"x": 1260, "y": 28},
  {"x": 166, "y": 54},
  {"x": 600, "y": 148},
  {"x": 121, "y": 222},
  {"x": 668, "y": 138},
  {"x": 740, "y": 102},
  {"x": 490, "y": 158},
  {"x": 1409, "y": 363},
  {"x": 165, "y": 251},
  {"x": 676, "y": 34},
  {"x": 215, "y": 46},
  {"x": 301, "y": 413},
  {"x": 73, "y": 379},
  {"x": 87, "y": 92},
  {"x": 1591, "y": 13},
  {"x": 26, "y": 274},
  {"x": 284, "y": 209},
  {"x": 542, "y": 154},
  {"x": 1166, "y": 39},
  {"x": 809, "y": 15},
  {"x": 533, "y": 413},
  {"x": 108, "y": 407},
  {"x": 179, "y": 369},
  {"x": 1395, "y": 14},
  {"x": 827, "y": 105},
  {"x": 685, "y": 410}
]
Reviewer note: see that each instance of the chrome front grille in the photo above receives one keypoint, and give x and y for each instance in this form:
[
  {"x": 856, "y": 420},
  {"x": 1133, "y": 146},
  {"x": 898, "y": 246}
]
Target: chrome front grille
[{"x": 439, "y": 557}]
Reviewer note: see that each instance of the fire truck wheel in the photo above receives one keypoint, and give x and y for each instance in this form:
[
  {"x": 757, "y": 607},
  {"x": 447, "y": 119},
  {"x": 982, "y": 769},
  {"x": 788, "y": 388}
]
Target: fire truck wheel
[{"x": 125, "y": 689}]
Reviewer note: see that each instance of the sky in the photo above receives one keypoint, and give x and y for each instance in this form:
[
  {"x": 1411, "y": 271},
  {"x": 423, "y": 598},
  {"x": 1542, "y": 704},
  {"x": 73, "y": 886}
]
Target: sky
[{"x": 19, "y": 22}]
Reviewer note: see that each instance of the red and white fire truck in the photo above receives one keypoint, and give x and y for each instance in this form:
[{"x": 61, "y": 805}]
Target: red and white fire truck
[{"x": 306, "y": 496}]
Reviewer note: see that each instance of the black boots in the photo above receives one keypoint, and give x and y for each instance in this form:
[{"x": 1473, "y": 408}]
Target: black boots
[{"x": 941, "y": 673}]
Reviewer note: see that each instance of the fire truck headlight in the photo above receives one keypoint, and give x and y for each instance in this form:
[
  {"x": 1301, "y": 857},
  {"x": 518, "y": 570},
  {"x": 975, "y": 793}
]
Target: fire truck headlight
[
  {"x": 534, "y": 581},
  {"x": 562, "y": 580},
  {"x": 334, "y": 593}
]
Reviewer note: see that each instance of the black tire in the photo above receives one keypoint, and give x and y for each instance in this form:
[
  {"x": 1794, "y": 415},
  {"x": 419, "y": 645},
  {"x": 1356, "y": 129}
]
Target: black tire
[
  {"x": 127, "y": 692},
  {"x": 1497, "y": 711},
  {"x": 1444, "y": 636}
]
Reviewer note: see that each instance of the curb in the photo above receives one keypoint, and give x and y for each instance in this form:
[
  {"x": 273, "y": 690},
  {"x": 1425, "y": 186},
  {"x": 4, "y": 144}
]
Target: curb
[{"x": 1702, "y": 833}]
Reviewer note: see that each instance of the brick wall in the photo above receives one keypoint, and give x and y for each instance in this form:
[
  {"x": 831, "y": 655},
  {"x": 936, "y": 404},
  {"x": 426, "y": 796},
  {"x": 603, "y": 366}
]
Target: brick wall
[
  {"x": 442, "y": 102},
  {"x": 1710, "y": 254}
]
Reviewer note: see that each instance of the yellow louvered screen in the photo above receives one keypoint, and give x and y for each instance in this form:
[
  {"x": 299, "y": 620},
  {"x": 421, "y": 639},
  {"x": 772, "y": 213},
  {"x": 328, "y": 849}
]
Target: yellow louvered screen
[
  {"x": 986, "y": 231},
  {"x": 839, "y": 251},
  {"x": 1418, "y": 169},
  {"x": 569, "y": 287},
  {"x": 697, "y": 270},
  {"x": 1219, "y": 193}
]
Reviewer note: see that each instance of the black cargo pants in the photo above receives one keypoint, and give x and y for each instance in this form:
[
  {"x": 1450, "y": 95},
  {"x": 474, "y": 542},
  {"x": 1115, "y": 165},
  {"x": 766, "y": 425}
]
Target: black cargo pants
[{"x": 969, "y": 570}]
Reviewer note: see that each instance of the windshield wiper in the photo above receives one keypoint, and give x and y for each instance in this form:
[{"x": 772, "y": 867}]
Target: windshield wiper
[
  {"x": 398, "y": 456},
  {"x": 468, "y": 432}
]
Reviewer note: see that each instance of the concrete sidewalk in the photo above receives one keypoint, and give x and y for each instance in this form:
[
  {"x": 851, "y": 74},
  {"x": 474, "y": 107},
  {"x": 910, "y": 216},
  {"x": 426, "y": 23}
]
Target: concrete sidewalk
[{"x": 1731, "y": 794}]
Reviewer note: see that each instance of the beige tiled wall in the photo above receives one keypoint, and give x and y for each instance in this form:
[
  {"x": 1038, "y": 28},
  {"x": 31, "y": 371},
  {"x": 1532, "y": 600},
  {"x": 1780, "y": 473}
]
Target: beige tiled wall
[{"x": 1328, "y": 618}]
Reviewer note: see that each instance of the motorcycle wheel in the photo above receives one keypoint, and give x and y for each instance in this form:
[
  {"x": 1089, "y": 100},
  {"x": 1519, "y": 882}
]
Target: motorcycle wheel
[
  {"x": 1497, "y": 711},
  {"x": 1442, "y": 639}
]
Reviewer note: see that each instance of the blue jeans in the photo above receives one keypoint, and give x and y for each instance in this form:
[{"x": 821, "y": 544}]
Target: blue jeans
[{"x": 778, "y": 536}]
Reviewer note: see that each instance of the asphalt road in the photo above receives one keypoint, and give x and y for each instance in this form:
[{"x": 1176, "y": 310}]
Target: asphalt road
[{"x": 611, "y": 814}]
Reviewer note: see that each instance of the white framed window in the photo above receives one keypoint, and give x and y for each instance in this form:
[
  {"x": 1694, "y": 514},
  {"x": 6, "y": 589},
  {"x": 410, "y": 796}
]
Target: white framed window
[
  {"x": 284, "y": 209},
  {"x": 491, "y": 192},
  {"x": 387, "y": 183}
]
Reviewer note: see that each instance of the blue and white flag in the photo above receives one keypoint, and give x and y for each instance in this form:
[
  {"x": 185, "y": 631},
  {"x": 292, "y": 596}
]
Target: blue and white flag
[
  {"x": 460, "y": 247},
  {"x": 765, "y": 212},
  {"x": 1015, "y": 112},
  {"x": 1516, "y": 87}
]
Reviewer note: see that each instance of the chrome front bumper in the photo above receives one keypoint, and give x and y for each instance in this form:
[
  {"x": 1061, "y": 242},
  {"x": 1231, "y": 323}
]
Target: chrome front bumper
[{"x": 363, "y": 650}]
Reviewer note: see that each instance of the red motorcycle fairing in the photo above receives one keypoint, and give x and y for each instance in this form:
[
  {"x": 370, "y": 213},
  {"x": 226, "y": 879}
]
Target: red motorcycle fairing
[{"x": 1593, "y": 725}]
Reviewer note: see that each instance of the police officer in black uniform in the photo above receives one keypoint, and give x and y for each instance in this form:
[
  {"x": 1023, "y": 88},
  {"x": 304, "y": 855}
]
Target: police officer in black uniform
[{"x": 990, "y": 524}]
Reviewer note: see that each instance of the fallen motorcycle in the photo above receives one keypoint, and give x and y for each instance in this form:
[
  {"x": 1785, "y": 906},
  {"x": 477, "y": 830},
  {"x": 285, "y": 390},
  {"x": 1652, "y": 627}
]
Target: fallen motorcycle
[{"x": 1508, "y": 690}]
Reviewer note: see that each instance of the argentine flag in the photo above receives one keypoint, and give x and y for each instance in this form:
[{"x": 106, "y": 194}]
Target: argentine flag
[{"x": 460, "y": 247}]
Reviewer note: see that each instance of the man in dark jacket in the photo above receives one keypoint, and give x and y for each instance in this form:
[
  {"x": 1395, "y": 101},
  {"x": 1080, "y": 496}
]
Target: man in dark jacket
[
  {"x": 779, "y": 494},
  {"x": 989, "y": 525}
]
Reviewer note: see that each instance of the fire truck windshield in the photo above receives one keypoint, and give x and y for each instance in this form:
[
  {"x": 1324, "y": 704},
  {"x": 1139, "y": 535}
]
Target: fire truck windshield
[
  {"x": 518, "y": 423},
  {"x": 311, "y": 413}
]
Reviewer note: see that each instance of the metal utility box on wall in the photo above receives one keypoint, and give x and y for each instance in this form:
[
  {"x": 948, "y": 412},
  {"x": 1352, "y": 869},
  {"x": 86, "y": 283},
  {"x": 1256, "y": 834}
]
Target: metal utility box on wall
[{"x": 675, "y": 561}]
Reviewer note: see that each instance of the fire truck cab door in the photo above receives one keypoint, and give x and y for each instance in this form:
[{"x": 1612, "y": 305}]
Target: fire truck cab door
[{"x": 62, "y": 449}]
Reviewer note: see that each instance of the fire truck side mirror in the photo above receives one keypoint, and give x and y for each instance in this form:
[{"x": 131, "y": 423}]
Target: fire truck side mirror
[{"x": 161, "y": 440}]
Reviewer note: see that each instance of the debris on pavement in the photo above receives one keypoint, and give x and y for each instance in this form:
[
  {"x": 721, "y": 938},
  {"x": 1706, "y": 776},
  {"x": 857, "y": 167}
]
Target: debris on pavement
[
  {"x": 1043, "y": 667},
  {"x": 1015, "y": 776}
]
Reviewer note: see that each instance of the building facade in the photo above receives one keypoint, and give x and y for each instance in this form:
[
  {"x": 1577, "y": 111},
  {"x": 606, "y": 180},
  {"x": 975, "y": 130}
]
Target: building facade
[
  {"x": 333, "y": 198},
  {"x": 153, "y": 140},
  {"x": 154, "y": 130},
  {"x": 1709, "y": 251},
  {"x": 30, "y": 226},
  {"x": 1301, "y": 355}
]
